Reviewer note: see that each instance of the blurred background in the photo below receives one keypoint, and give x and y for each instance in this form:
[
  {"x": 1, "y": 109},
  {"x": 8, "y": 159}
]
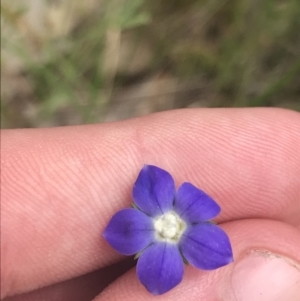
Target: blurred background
[{"x": 67, "y": 62}]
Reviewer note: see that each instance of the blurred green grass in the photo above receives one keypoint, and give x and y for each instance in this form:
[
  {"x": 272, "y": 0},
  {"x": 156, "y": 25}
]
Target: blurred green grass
[{"x": 69, "y": 60}]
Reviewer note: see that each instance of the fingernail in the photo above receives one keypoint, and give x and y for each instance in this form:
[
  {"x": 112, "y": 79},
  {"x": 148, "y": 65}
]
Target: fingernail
[{"x": 264, "y": 276}]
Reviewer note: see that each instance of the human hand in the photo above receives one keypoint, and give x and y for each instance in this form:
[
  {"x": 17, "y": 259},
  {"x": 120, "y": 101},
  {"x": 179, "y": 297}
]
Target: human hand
[{"x": 61, "y": 186}]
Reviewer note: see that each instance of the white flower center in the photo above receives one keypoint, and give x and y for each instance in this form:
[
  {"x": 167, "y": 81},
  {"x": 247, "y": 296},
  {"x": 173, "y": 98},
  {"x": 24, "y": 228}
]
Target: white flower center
[{"x": 169, "y": 227}]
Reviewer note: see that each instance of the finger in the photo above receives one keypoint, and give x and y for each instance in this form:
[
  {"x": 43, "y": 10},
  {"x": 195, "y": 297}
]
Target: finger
[
  {"x": 61, "y": 186},
  {"x": 263, "y": 270},
  {"x": 85, "y": 287}
]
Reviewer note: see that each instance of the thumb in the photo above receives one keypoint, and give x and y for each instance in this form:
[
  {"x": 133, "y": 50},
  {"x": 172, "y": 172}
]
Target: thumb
[
  {"x": 266, "y": 268},
  {"x": 265, "y": 276}
]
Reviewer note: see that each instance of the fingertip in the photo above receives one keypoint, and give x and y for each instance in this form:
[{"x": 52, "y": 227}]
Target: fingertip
[{"x": 260, "y": 265}]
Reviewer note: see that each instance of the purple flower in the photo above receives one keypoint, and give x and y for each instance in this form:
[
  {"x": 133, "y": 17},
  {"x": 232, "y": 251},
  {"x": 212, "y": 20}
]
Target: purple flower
[{"x": 167, "y": 228}]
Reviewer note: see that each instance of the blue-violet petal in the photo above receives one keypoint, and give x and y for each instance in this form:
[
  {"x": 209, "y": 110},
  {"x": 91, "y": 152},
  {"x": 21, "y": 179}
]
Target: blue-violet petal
[
  {"x": 129, "y": 231},
  {"x": 160, "y": 267},
  {"x": 154, "y": 190},
  {"x": 206, "y": 246},
  {"x": 194, "y": 205}
]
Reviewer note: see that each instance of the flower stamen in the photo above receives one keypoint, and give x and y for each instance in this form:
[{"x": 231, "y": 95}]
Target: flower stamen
[{"x": 169, "y": 227}]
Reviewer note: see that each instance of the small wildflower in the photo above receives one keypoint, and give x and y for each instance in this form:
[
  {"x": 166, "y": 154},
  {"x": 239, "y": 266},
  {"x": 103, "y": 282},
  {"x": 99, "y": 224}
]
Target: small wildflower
[{"x": 167, "y": 228}]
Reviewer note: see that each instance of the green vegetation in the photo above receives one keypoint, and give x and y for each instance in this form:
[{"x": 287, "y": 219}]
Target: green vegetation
[{"x": 67, "y": 58}]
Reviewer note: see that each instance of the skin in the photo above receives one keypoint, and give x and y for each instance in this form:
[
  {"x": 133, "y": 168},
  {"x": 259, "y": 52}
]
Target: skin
[{"x": 60, "y": 187}]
